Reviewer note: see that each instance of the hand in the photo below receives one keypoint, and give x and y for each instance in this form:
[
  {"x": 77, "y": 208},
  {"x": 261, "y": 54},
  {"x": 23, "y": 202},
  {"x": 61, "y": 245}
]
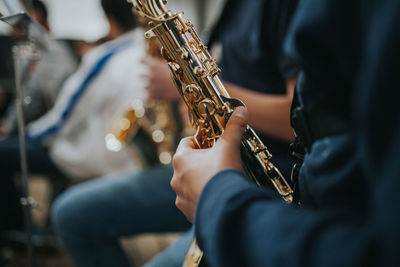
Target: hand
[
  {"x": 160, "y": 85},
  {"x": 193, "y": 167}
]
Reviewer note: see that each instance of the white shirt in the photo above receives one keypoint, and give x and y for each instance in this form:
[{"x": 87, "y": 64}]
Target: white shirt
[{"x": 78, "y": 147}]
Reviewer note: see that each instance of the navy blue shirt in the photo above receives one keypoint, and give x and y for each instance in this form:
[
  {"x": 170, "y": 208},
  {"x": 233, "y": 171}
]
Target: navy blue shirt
[
  {"x": 348, "y": 51},
  {"x": 251, "y": 33}
]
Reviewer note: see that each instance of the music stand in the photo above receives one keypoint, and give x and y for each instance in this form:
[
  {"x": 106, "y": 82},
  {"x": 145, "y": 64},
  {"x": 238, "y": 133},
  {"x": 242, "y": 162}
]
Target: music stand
[{"x": 26, "y": 55}]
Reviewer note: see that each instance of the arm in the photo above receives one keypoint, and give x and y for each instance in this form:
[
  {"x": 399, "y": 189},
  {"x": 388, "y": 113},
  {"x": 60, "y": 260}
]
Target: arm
[
  {"x": 239, "y": 224},
  {"x": 236, "y": 218},
  {"x": 269, "y": 114}
]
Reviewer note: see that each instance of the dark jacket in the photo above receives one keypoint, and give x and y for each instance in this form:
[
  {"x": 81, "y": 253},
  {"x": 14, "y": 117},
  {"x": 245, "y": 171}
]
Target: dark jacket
[{"x": 348, "y": 52}]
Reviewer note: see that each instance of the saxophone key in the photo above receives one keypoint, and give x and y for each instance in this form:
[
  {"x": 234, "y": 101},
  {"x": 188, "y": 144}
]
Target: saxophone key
[
  {"x": 199, "y": 71},
  {"x": 206, "y": 108},
  {"x": 184, "y": 53}
]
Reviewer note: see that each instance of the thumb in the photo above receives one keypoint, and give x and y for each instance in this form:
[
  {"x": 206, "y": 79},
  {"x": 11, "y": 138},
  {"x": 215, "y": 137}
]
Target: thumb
[{"x": 236, "y": 126}]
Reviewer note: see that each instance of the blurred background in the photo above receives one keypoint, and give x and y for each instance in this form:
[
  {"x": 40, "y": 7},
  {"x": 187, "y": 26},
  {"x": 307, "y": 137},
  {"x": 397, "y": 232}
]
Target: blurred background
[
  {"x": 84, "y": 19},
  {"x": 78, "y": 22}
]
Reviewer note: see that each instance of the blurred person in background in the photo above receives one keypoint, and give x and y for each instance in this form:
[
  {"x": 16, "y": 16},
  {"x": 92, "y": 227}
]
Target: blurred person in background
[
  {"x": 56, "y": 63},
  {"x": 40, "y": 14},
  {"x": 69, "y": 139},
  {"x": 135, "y": 203},
  {"x": 7, "y": 82}
]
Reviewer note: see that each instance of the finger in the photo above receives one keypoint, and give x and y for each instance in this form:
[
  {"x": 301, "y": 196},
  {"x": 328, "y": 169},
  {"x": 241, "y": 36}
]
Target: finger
[
  {"x": 186, "y": 143},
  {"x": 236, "y": 126},
  {"x": 186, "y": 209},
  {"x": 182, "y": 151},
  {"x": 174, "y": 184}
]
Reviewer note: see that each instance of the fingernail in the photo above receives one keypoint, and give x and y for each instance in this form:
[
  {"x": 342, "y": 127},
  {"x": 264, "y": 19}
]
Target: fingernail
[{"x": 241, "y": 112}]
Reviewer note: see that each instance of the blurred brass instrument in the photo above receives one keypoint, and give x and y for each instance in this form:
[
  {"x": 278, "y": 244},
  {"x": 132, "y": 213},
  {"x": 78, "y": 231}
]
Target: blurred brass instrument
[
  {"x": 151, "y": 126},
  {"x": 196, "y": 76}
]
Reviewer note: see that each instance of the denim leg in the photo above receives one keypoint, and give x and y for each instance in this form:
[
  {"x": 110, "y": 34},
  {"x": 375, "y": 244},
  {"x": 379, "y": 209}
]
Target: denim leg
[
  {"x": 175, "y": 254},
  {"x": 90, "y": 218}
]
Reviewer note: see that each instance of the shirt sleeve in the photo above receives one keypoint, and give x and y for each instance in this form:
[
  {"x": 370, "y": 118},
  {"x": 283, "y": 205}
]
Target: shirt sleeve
[{"x": 238, "y": 224}]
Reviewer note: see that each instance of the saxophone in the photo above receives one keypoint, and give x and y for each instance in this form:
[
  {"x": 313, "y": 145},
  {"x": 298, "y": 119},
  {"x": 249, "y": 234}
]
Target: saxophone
[
  {"x": 196, "y": 76},
  {"x": 151, "y": 126}
]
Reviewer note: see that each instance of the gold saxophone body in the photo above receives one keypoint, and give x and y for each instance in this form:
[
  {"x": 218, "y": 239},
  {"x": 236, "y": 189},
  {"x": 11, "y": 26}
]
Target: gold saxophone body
[
  {"x": 152, "y": 127},
  {"x": 148, "y": 126},
  {"x": 196, "y": 76}
]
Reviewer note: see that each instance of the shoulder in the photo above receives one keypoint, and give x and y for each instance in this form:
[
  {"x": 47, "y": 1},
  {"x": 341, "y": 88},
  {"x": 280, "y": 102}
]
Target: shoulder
[
  {"x": 124, "y": 66},
  {"x": 130, "y": 42}
]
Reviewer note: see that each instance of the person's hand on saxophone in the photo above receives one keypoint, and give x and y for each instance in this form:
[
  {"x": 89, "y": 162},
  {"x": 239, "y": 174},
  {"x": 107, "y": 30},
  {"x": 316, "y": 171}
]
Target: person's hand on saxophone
[
  {"x": 160, "y": 85},
  {"x": 193, "y": 167}
]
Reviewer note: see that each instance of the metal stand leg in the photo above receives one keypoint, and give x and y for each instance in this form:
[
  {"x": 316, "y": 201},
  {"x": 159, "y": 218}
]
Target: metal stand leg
[{"x": 24, "y": 56}]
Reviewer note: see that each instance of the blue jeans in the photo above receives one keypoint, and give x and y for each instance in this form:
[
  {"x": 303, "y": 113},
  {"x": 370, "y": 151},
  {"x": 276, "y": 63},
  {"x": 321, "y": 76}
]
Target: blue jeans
[
  {"x": 175, "y": 254},
  {"x": 91, "y": 217}
]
